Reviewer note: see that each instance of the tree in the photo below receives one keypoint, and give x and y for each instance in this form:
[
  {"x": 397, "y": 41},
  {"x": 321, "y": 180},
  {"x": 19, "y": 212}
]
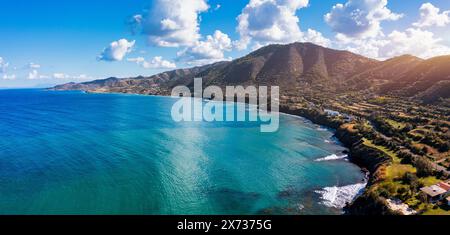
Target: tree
[
  {"x": 408, "y": 127},
  {"x": 423, "y": 197},
  {"x": 425, "y": 149},
  {"x": 413, "y": 181},
  {"x": 424, "y": 167}
]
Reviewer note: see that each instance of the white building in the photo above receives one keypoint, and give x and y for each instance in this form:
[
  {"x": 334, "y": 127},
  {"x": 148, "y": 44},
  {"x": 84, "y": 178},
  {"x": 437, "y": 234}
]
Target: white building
[{"x": 331, "y": 112}]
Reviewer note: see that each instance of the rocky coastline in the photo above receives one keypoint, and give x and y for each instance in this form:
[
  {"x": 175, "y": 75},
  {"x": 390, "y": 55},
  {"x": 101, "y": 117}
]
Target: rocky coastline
[{"x": 370, "y": 160}]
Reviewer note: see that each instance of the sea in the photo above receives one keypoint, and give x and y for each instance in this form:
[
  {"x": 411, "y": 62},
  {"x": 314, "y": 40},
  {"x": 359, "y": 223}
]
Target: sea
[{"x": 74, "y": 153}]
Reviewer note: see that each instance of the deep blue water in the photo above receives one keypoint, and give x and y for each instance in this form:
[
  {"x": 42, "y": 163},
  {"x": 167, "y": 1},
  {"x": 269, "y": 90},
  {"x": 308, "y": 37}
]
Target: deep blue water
[{"x": 77, "y": 153}]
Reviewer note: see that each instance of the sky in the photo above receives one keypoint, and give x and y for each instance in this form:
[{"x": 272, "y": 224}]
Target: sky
[{"x": 44, "y": 43}]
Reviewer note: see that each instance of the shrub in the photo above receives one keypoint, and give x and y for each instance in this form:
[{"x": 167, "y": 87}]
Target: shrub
[{"x": 383, "y": 193}]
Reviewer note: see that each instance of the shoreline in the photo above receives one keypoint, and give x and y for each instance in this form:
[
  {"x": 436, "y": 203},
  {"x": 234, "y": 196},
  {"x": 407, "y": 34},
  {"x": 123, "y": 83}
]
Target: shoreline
[{"x": 293, "y": 113}]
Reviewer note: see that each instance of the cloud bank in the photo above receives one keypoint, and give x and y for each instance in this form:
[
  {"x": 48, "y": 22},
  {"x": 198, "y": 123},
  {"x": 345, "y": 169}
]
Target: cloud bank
[{"x": 357, "y": 24}]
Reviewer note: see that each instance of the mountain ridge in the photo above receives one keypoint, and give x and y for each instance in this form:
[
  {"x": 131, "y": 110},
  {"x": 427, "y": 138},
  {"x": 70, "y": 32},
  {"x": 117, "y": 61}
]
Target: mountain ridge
[{"x": 297, "y": 68}]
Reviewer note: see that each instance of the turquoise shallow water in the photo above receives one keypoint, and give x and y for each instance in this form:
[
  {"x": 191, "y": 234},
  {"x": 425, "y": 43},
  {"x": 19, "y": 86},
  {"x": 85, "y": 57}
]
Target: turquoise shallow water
[{"x": 77, "y": 153}]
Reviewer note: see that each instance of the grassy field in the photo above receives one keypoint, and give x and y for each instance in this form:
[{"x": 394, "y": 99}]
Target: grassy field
[
  {"x": 428, "y": 181},
  {"x": 383, "y": 149},
  {"x": 397, "y": 171},
  {"x": 438, "y": 211}
]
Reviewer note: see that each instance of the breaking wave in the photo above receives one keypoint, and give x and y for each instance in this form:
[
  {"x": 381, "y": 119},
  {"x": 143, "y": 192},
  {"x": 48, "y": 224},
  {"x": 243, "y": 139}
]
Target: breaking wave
[
  {"x": 338, "y": 197},
  {"x": 332, "y": 157}
]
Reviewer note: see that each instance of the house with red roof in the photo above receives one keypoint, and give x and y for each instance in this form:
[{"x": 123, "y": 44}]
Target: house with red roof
[{"x": 437, "y": 192}]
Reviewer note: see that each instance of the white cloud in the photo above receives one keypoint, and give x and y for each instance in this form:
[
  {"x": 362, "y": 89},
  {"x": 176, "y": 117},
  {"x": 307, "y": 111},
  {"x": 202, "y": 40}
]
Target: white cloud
[
  {"x": 3, "y": 65},
  {"x": 34, "y": 74},
  {"x": 412, "y": 41},
  {"x": 135, "y": 23},
  {"x": 117, "y": 50},
  {"x": 156, "y": 63},
  {"x": 64, "y": 76},
  {"x": 269, "y": 21},
  {"x": 60, "y": 76},
  {"x": 9, "y": 77},
  {"x": 33, "y": 65},
  {"x": 171, "y": 23},
  {"x": 368, "y": 46},
  {"x": 360, "y": 18},
  {"x": 431, "y": 16},
  {"x": 317, "y": 38},
  {"x": 208, "y": 51},
  {"x": 83, "y": 77}
]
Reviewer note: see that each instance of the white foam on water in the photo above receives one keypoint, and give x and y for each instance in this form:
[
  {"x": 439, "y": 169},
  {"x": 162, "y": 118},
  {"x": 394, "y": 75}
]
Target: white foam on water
[
  {"x": 321, "y": 129},
  {"x": 338, "y": 197},
  {"x": 332, "y": 157}
]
